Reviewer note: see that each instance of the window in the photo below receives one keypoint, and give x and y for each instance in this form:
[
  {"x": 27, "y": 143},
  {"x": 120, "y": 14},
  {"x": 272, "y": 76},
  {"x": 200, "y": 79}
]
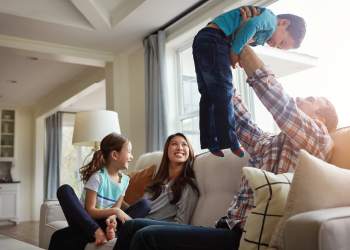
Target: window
[
  {"x": 72, "y": 156},
  {"x": 188, "y": 97}
]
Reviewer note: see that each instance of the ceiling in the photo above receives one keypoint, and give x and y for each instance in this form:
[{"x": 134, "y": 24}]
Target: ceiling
[{"x": 113, "y": 26}]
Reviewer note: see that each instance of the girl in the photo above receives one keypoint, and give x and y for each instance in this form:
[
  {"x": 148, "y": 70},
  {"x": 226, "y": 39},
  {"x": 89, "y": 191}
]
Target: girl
[{"x": 102, "y": 197}]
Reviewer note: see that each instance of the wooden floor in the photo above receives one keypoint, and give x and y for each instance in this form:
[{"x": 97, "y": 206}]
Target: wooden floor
[{"x": 27, "y": 232}]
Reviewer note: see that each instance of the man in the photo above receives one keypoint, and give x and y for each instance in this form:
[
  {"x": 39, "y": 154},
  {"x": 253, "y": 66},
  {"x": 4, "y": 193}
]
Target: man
[{"x": 304, "y": 124}]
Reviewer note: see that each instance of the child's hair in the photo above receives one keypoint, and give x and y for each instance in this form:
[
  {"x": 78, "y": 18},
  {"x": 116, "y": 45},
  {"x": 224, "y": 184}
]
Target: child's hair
[
  {"x": 111, "y": 142},
  {"x": 296, "y": 28},
  {"x": 185, "y": 177}
]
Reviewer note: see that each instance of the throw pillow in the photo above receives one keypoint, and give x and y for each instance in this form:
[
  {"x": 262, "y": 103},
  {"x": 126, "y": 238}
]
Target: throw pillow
[
  {"x": 316, "y": 185},
  {"x": 340, "y": 154},
  {"x": 137, "y": 184},
  {"x": 270, "y": 195}
]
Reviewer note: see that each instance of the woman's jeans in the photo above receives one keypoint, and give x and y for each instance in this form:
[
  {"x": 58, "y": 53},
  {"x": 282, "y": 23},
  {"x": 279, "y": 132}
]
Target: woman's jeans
[
  {"x": 81, "y": 226},
  {"x": 211, "y": 54},
  {"x": 148, "y": 234}
]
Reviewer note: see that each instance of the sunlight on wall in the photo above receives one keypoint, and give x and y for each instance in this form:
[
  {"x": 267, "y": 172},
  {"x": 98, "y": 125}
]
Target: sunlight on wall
[{"x": 328, "y": 39}]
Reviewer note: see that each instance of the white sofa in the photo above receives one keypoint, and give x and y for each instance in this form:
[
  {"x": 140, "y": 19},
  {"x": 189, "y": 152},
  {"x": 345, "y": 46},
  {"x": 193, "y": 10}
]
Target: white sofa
[{"x": 218, "y": 180}]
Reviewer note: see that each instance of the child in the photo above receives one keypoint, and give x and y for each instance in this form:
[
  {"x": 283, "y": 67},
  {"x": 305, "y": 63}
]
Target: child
[
  {"x": 102, "y": 197},
  {"x": 215, "y": 49}
]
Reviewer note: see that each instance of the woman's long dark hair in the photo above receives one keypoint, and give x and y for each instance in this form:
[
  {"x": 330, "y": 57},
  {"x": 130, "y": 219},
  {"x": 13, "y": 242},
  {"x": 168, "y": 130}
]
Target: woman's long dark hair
[
  {"x": 111, "y": 142},
  {"x": 156, "y": 187}
]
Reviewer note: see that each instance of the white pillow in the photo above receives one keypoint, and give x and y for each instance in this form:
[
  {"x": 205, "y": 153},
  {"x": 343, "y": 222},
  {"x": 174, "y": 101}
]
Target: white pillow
[
  {"x": 270, "y": 195},
  {"x": 316, "y": 185}
]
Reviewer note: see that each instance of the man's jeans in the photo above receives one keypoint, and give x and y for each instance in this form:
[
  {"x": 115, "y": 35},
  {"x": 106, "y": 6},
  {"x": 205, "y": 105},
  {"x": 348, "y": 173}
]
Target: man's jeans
[
  {"x": 211, "y": 54},
  {"x": 81, "y": 226},
  {"x": 148, "y": 234}
]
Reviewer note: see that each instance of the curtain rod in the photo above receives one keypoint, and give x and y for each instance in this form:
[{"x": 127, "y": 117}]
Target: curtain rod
[{"x": 180, "y": 16}]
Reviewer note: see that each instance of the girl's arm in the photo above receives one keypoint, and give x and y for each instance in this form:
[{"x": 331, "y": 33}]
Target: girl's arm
[{"x": 95, "y": 213}]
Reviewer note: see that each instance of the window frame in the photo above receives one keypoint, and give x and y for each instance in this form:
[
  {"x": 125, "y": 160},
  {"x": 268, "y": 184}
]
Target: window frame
[{"x": 179, "y": 88}]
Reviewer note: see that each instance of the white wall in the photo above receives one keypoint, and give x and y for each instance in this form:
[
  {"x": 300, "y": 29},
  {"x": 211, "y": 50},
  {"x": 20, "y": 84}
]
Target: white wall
[
  {"x": 137, "y": 105},
  {"x": 24, "y": 165}
]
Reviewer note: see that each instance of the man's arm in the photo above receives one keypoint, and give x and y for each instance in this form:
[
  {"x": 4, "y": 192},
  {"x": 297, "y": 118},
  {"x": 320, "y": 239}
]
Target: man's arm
[
  {"x": 304, "y": 132},
  {"x": 251, "y": 62}
]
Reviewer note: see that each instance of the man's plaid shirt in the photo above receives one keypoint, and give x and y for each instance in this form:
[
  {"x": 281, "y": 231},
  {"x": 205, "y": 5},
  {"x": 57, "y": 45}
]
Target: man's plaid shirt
[{"x": 298, "y": 131}]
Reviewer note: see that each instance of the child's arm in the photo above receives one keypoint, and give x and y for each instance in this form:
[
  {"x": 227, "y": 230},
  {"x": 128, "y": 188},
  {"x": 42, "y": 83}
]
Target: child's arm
[
  {"x": 245, "y": 12},
  {"x": 265, "y": 21},
  {"x": 95, "y": 213}
]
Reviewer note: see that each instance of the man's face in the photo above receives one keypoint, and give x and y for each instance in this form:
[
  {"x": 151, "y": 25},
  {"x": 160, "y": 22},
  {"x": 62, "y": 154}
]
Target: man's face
[
  {"x": 280, "y": 38},
  {"x": 310, "y": 104}
]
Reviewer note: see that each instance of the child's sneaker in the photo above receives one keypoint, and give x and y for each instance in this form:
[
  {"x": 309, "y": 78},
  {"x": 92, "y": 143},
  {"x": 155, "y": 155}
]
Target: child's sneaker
[
  {"x": 238, "y": 150},
  {"x": 216, "y": 151}
]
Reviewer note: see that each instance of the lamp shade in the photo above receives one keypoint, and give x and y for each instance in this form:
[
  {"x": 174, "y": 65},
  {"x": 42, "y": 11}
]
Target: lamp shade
[{"x": 91, "y": 127}]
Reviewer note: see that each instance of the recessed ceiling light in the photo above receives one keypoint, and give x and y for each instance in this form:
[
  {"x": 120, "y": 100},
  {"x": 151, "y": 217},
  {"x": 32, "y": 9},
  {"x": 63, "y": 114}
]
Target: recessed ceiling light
[
  {"x": 11, "y": 81},
  {"x": 32, "y": 58}
]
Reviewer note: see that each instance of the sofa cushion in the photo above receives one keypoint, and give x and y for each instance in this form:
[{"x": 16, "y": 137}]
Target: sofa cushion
[
  {"x": 149, "y": 159},
  {"x": 218, "y": 180},
  {"x": 341, "y": 151},
  {"x": 109, "y": 246},
  {"x": 270, "y": 195},
  {"x": 321, "y": 229},
  {"x": 137, "y": 184},
  {"x": 316, "y": 185}
]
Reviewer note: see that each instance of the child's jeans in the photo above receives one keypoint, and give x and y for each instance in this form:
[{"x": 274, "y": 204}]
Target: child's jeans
[
  {"x": 211, "y": 54},
  {"x": 81, "y": 226}
]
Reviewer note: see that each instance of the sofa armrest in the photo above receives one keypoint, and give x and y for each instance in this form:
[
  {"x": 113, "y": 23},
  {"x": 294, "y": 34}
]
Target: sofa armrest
[
  {"x": 49, "y": 212},
  {"x": 318, "y": 230}
]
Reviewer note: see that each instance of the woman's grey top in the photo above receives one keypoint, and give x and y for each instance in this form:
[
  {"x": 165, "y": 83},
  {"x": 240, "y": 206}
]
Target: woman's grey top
[{"x": 181, "y": 212}]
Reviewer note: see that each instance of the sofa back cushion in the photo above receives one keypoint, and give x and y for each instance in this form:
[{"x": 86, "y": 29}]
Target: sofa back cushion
[
  {"x": 218, "y": 180},
  {"x": 139, "y": 180},
  {"x": 341, "y": 152},
  {"x": 149, "y": 159}
]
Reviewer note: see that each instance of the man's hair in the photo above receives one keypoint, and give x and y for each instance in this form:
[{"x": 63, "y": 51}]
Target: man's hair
[
  {"x": 296, "y": 28},
  {"x": 329, "y": 114}
]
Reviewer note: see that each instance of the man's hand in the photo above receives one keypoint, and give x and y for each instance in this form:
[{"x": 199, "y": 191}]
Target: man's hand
[{"x": 246, "y": 15}]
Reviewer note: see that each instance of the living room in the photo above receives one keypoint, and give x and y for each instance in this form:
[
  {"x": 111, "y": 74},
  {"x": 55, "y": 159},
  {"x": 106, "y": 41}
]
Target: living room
[{"x": 94, "y": 52}]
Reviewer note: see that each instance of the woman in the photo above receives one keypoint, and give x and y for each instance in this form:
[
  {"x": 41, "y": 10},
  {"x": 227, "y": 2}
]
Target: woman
[{"x": 173, "y": 192}]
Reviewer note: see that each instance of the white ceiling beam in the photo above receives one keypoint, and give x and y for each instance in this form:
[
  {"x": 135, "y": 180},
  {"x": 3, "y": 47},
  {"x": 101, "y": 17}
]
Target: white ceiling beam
[
  {"x": 123, "y": 10},
  {"x": 95, "y": 12},
  {"x": 56, "y": 52}
]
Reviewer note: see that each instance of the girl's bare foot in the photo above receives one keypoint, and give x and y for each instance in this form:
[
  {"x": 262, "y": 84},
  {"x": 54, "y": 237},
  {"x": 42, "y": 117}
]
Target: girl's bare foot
[
  {"x": 110, "y": 232},
  {"x": 100, "y": 236}
]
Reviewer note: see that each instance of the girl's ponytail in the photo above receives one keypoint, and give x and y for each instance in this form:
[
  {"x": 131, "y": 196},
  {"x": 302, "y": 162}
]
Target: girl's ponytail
[
  {"x": 93, "y": 166},
  {"x": 111, "y": 142}
]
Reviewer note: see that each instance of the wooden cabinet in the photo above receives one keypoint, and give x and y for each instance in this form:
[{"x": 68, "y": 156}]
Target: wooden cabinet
[
  {"x": 9, "y": 201},
  {"x": 7, "y": 131}
]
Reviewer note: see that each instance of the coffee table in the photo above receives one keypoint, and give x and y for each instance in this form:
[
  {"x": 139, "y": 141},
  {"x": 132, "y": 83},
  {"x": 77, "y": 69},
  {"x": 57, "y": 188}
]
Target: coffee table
[{"x": 8, "y": 243}]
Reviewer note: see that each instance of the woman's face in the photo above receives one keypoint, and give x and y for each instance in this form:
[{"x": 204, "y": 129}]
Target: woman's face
[{"x": 178, "y": 151}]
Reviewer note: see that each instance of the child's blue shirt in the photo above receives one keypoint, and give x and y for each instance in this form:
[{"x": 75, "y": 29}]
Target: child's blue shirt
[{"x": 260, "y": 28}]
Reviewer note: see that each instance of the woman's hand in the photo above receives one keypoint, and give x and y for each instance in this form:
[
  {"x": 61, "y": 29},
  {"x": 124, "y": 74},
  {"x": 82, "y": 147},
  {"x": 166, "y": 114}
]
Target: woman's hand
[{"x": 121, "y": 215}]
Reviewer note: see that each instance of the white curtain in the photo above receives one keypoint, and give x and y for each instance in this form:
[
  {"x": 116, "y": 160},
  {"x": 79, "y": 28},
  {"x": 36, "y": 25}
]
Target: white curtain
[
  {"x": 156, "y": 92},
  {"x": 53, "y": 154}
]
